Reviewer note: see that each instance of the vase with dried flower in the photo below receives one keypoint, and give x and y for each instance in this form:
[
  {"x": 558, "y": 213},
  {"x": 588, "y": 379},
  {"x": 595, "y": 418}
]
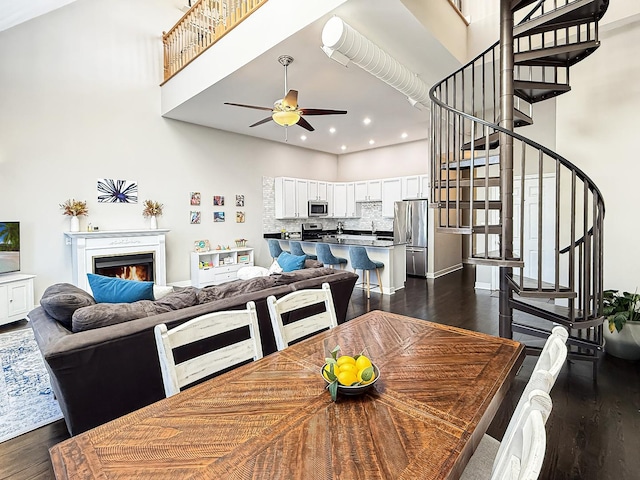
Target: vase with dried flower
[
  {"x": 74, "y": 209},
  {"x": 152, "y": 210}
]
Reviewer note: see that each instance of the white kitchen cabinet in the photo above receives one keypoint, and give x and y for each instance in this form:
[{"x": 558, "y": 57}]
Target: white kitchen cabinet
[
  {"x": 16, "y": 297},
  {"x": 292, "y": 197},
  {"x": 330, "y": 200},
  {"x": 218, "y": 266},
  {"x": 391, "y": 193},
  {"x": 415, "y": 186},
  {"x": 344, "y": 200},
  {"x": 318, "y": 190},
  {"x": 368, "y": 191}
]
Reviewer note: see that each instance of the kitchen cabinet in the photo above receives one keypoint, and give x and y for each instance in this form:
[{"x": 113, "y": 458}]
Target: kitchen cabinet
[
  {"x": 218, "y": 266},
  {"x": 330, "y": 200},
  {"x": 318, "y": 190},
  {"x": 16, "y": 297},
  {"x": 292, "y": 197},
  {"x": 344, "y": 200},
  {"x": 391, "y": 193},
  {"x": 415, "y": 186},
  {"x": 368, "y": 191}
]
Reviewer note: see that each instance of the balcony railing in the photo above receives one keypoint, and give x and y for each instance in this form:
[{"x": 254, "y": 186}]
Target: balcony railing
[{"x": 203, "y": 25}]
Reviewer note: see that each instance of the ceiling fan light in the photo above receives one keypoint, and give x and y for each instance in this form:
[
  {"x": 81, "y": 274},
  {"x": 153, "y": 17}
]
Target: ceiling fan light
[{"x": 286, "y": 118}]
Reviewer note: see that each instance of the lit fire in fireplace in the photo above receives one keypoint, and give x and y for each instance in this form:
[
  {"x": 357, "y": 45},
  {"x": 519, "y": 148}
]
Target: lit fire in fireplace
[
  {"x": 137, "y": 266},
  {"x": 136, "y": 272}
]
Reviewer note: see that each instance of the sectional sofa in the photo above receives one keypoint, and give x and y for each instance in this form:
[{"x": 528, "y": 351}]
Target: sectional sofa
[{"x": 105, "y": 364}]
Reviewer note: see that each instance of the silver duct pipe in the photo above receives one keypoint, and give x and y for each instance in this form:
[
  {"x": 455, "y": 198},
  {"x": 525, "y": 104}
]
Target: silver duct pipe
[{"x": 343, "y": 44}]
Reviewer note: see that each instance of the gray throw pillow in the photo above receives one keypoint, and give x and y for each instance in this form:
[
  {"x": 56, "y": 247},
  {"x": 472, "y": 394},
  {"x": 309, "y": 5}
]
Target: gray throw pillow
[{"x": 61, "y": 300}]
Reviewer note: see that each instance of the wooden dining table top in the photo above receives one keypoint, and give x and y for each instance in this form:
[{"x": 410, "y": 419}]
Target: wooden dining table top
[{"x": 439, "y": 389}]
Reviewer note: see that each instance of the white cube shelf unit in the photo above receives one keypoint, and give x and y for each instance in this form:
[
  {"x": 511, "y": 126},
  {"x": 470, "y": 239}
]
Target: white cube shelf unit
[{"x": 218, "y": 266}]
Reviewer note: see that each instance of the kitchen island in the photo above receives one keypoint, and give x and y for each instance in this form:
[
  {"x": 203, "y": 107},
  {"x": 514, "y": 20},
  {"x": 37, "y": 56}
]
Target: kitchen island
[{"x": 393, "y": 255}]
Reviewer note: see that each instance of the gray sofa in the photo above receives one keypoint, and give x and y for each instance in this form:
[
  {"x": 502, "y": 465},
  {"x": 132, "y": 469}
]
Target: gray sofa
[{"x": 99, "y": 374}]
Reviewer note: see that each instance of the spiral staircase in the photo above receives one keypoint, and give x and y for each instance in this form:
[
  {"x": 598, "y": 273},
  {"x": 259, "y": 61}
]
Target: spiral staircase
[{"x": 549, "y": 250}]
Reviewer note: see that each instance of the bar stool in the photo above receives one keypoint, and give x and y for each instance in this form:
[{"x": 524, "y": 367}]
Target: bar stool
[
  {"x": 274, "y": 247},
  {"x": 361, "y": 261},
  {"x": 327, "y": 258},
  {"x": 296, "y": 249}
]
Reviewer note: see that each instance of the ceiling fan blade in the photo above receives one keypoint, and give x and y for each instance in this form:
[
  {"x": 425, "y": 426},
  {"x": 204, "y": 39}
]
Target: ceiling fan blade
[
  {"x": 291, "y": 99},
  {"x": 249, "y": 106},
  {"x": 264, "y": 120},
  {"x": 306, "y": 125},
  {"x": 321, "y": 111}
]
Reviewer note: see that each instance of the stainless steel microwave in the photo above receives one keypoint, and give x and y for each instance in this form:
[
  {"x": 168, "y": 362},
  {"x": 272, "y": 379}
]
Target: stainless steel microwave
[{"x": 318, "y": 208}]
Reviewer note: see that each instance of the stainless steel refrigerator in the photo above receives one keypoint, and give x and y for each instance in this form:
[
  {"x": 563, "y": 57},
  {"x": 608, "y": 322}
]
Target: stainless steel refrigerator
[{"x": 410, "y": 227}]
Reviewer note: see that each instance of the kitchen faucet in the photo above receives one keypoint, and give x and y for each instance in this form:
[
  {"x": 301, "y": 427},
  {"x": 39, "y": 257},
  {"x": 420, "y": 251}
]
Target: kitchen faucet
[{"x": 373, "y": 227}]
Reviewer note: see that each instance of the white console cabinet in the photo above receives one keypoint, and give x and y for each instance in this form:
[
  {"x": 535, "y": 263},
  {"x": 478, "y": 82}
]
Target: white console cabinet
[
  {"x": 218, "y": 266},
  {"x": 16, "y": 297}
]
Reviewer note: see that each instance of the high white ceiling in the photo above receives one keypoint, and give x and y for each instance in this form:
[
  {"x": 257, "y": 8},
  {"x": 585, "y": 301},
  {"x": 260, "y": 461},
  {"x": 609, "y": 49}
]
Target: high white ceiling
[
  {"x": 324, "y": 83},
  {"x": 14, "y": 12},
  {"x": 321, "y": 82}
]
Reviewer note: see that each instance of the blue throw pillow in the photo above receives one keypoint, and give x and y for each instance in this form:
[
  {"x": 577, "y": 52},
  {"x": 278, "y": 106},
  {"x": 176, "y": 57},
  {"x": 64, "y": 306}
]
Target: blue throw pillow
[
  {"x": 118, "y": 290},
  {"x": 289, "y": 262}
]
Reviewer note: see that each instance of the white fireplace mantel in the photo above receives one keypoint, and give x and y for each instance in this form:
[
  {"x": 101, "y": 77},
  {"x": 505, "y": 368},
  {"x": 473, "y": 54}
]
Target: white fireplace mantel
[{"x": 87, "y": 245}]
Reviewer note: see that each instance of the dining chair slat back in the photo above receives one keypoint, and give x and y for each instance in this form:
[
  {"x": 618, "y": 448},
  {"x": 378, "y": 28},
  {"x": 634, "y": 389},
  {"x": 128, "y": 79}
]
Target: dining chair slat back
[
  {"x": 523, "y": 453},
  {"x": 554, "y": 352},
  {"x": 302, "y": 327},
  {"x": 176, "y": 376}
]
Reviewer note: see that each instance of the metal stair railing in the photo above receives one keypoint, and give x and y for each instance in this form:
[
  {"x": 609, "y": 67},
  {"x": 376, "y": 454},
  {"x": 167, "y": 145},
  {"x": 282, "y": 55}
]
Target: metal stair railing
[{"x": 465, "y": 190}]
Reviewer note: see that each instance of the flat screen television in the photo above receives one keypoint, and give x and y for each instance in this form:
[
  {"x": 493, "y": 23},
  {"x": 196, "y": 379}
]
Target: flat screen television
[{"x": 9, "y": 247}]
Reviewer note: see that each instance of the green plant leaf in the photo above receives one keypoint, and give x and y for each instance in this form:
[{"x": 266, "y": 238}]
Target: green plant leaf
[
  {"x": 367, "y": 374},
  {"x": 331, "y": 361},
  {"x": 333, "y": 390},
  {"x": 334, "y": 352}
]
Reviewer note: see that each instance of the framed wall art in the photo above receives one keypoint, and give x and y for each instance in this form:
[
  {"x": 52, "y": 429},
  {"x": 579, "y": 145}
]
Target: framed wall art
[
  {"x": 239, "y": 200},
  {"x": 239, "y": 217},
  {"x": 218, "y": 216},
  {"x": 195, "y": 198},
  {"x": 218, "y": 200},
  {"x": 195, "y": 217},
  {"x": 117, "y": 191}
]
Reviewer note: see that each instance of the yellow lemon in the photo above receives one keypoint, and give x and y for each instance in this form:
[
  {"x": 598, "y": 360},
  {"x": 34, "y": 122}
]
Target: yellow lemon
[
  {"x": 348, "y": 367},
  {"x": 345, "y": 359},
  {"x": 347, "y": 378},
  {"x": 362, "y": 362}
]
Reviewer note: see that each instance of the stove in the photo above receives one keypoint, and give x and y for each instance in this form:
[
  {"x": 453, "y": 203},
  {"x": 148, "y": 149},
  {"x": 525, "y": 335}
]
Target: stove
[{"x": 311, "y": 231}]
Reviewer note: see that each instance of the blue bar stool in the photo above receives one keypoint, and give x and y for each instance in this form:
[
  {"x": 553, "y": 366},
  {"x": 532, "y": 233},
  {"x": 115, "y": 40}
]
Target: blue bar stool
[
  {"x": 296, "y": 249},
  {"x": 274, "y": 247},
  {"x": 361, "y": 261},
  {"x": 327, "y": 258}
]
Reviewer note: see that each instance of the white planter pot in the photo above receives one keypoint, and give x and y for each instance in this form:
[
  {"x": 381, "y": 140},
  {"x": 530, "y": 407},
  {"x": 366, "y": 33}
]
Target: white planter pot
[
  {"x": 625, "y": 343},
  {"x": 153, "y": 222}
]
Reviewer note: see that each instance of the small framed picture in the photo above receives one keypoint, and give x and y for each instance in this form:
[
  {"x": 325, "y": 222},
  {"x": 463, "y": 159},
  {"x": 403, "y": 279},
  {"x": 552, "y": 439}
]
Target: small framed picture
[
  {"x": 218, "y": 200},
  {"x": 239, "y": 200},
  {"x": 195, "y": 217},
  {"x": 218, "y": 216},
  {"x": 195, "y": 198},
  {"x": 239, "y": 217}
]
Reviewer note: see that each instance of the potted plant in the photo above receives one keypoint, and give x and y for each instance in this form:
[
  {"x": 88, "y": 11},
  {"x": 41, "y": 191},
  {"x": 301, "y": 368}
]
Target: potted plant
[
  {"x": 74, "y": 208},
  {"x": 622, "y": 324},
  {"x": 152, "y": 210}
]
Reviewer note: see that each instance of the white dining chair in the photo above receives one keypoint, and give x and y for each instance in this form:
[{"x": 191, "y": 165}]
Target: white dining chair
[
  {"x": 554, "y": 352},
  {"x": 520, "y": 457},
  {"x": 287, "y": 331},
  {"x": 176, "y": 376}
]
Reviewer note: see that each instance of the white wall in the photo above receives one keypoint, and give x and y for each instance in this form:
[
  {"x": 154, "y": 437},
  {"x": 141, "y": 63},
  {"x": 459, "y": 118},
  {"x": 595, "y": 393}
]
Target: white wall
[
  {"x": 598, "y": 131},
  {"x": 409, "y": 158},
  {"x": 80, "y": 97}
]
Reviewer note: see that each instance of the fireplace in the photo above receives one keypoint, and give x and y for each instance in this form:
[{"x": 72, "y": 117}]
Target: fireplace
[
  {"x": 138, "y": 266},
  {"x": 138, "y": 254}
]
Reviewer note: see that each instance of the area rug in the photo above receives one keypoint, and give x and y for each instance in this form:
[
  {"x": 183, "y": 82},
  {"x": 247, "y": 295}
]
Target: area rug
[{"x": 26, "y": 399}]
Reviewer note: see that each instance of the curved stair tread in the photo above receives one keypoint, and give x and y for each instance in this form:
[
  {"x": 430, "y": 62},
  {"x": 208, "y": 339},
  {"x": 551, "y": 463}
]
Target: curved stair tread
[
  {"x": 574, "y": 13},
  {"x": 557, "y": 56},
  {"x": 534, "y": 92}
]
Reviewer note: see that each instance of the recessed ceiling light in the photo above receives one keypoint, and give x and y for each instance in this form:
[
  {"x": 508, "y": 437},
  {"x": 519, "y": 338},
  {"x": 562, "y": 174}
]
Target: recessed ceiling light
[
  {"x": 366, "y": 121},
  {"x": 303, "y": 137},
  {"x": 404, "y": 135},
  {"x": 343, "y": 147},
  {"x": 332, "y": 130},
  {"x": 371, "y": 142}
]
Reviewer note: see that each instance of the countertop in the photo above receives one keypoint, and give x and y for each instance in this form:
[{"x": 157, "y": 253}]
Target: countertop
[{"x": 362, "y": 243}]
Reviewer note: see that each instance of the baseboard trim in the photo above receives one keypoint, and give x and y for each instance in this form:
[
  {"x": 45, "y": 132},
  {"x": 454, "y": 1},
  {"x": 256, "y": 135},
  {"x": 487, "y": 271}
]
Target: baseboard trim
[
  {"x": 483, "y": 286},
  {"x": 445, "y": 271}
]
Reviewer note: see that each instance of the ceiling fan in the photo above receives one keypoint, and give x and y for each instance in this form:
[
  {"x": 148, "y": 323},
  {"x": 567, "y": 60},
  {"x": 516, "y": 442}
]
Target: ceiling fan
[{"x": 286, "y": 112}]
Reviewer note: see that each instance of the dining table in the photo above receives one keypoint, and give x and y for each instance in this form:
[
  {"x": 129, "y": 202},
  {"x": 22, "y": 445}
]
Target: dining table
[{"x": 439, "y": 389}]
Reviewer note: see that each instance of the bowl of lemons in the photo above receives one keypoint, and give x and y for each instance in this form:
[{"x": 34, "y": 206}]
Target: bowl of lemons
[{"x": 349, "y": 375}]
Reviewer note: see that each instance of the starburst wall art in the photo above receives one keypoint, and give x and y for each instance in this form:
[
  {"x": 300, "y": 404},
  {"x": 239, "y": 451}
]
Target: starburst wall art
[{"x": 117, "y": 191}]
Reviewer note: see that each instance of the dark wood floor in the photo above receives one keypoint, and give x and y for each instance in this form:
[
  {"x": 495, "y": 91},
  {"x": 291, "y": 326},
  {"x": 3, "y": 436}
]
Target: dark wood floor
[{"x": 593, "y": 432}]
